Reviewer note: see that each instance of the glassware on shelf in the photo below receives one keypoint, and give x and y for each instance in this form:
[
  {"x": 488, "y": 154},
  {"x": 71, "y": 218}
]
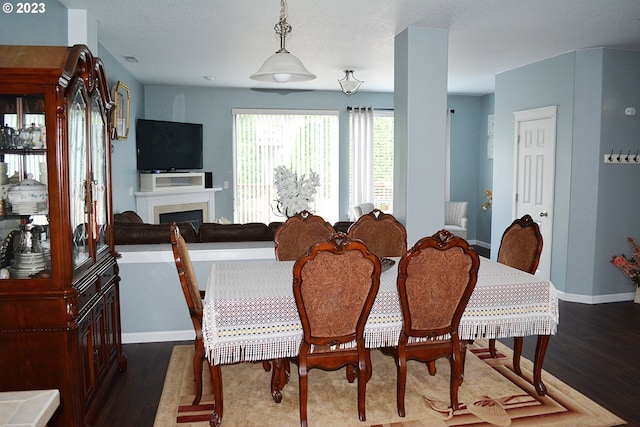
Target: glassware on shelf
[
  {"x": 7, "y": 137},
  {"x": 25, "y": 138}
]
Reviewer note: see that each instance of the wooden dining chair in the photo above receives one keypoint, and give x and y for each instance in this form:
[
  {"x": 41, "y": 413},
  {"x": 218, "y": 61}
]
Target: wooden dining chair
[
  {"x": 520, "y": 248},
  {"x": 383, "y": 234},
  {"x": 435, "y": 281},
  {"x": 299, "y": 232},
  {"x": 334, "y": 286},
  {"x": 193, "y": 296}
]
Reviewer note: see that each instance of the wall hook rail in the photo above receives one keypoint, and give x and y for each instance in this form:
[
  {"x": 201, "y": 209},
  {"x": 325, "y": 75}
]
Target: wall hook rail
[{"x": 618, "y": 158}]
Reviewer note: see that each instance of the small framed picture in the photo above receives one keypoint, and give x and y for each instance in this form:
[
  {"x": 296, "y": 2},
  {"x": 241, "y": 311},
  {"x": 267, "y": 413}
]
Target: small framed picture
[{"x": 121, "y": 114}]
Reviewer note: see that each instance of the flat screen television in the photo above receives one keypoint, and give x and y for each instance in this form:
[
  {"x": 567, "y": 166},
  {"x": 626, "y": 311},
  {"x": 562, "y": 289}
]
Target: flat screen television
[{"x": 164, "y": 146}]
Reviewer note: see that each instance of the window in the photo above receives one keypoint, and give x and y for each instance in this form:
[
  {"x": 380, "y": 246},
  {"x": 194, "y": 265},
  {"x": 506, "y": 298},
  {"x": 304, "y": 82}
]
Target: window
[
  {"x": 380, "y": 133},
  {"x": 383, "y": 161},
  {"x": 304, "y": 141}
]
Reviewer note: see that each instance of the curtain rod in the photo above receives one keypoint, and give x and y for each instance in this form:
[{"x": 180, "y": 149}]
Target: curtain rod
[
  {"x": 377, "y": 109},
  {"x": 452, "y": 111}
]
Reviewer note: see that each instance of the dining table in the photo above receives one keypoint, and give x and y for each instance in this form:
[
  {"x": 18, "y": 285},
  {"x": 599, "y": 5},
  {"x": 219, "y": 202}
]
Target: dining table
[{"x": 250, "y": 315}]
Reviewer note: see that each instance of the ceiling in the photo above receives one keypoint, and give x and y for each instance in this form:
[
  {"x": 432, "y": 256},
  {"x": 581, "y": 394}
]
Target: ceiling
[{"x": 177, "y": 42}]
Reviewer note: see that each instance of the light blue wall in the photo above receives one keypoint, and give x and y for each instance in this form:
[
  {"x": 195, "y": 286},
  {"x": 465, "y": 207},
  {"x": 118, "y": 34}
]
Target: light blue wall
[
  {"x": 466, "y": 147},
  {"x": 124, "y": 176},
  {"x": 544, "y": 83},
  {"x": 618, "y": 192},
  {"x": 213, "y": 106},
  {"x": 485, "y": 174},
  {"x": 585, "y": 162},
  {"x": 595, "y": 205}
]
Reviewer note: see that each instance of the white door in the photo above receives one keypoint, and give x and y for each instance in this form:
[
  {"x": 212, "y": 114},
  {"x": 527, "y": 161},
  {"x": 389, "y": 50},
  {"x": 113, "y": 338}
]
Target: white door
[{"x": 535, "y": 168}]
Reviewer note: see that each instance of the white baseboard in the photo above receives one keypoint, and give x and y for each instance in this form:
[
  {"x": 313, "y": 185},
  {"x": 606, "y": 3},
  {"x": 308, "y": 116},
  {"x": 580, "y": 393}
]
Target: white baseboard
[
  {"x": 596, "y": 299},
  {"x": 159, "y": 336}
]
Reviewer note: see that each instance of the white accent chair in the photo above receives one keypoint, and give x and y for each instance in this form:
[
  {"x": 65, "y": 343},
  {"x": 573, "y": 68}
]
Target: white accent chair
[
  {"x": 361, "y": 209},
  {"x": 455, "y": 218}
]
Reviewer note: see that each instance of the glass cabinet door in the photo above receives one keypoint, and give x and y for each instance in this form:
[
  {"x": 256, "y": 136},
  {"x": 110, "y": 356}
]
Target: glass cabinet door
[
  {"x": 24, "y": 194},
  {"x": 99, "y": 174},
  {"x": 78, "y": 180}
]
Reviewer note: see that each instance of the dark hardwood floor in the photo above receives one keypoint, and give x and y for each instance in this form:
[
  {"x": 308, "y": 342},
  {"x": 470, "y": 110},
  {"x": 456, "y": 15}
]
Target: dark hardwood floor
[{"x": 596, "y": 351}]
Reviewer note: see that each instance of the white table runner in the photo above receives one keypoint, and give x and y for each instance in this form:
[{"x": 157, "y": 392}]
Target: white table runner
[{"x": 250, "y": 312}]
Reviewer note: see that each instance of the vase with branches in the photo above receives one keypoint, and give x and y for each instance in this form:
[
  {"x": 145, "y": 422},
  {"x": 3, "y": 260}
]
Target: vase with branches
[{"x": 295, "y": 193}]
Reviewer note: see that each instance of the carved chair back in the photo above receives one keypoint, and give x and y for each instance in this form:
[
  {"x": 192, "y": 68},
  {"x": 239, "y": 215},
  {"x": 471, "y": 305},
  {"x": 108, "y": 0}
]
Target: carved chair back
[
  {"x": 435, "y": 281},
  {"x": 299, "y": 232},
  {"x": 335, "y": 285},
  {"x": 521, "y": 245},
  {"x": 383, "y": 234}
]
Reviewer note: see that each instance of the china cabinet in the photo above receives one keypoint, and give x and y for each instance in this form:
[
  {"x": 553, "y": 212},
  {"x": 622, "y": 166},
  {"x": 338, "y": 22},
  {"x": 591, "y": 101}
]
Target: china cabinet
[{"x": 59, "y": 298}]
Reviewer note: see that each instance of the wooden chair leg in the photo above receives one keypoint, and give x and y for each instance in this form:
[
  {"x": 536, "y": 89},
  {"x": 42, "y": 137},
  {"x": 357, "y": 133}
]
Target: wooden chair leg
[
  {"x": 352, "y": 373},
  {"x": 363, "y": 378},
  {"x": 303, "y": 385},
  {"x": 492, "y": 348},
  {"x": 216, "y": 380},
  {"x": 454, "y": 381},
  {"x": 541, "y": 349},
  {"x": 431, "y": 365},
  {"x": 402, "y": 380},
  {"x": 198, "y": 360},
  {"x": 517, "y": 352},
  {"x": 463, "y": 357}
]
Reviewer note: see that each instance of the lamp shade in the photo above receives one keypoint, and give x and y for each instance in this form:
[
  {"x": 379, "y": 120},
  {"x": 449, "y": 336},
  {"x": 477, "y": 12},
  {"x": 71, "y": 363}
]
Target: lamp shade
[{"x": 282, "y": 67}]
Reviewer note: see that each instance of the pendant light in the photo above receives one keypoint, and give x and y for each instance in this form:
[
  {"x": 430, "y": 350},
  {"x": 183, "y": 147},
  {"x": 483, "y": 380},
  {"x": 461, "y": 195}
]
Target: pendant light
[
  {"x": 282, "y": 67},
  {"x": 349, "y": 84}
]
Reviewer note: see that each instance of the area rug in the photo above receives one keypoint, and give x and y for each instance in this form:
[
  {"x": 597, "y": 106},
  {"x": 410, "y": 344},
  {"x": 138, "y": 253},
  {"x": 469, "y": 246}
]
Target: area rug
[{"x": 491, "y": 395}]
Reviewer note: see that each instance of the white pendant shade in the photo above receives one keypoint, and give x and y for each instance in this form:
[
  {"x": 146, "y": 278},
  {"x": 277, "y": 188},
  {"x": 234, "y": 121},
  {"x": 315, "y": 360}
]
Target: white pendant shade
[
  {"x": 282, "y": 67},
  {"x": 349, "y": 84}
]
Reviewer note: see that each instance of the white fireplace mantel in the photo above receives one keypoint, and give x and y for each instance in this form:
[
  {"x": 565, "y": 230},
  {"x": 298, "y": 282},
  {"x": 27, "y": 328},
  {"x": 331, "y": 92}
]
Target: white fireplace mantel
[{"x": 149, "y": 204}]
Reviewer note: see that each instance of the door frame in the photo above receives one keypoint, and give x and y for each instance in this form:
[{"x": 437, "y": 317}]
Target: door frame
[{"x": 542, "y": 113}]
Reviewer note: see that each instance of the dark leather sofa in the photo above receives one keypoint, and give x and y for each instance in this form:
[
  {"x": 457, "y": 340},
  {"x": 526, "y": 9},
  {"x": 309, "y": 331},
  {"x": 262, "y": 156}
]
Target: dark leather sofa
[{"x": 131, "y": 230}]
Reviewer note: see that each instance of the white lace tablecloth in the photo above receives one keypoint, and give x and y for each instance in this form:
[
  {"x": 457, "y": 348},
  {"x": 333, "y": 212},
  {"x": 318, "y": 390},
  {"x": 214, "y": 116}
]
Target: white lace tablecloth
[{"x": 250, "y": 313}]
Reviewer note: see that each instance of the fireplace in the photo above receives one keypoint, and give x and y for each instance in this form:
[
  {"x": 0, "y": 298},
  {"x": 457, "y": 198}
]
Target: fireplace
[
  {"x": 192, "y": 216},
  {"x": 151, "y": 205}
]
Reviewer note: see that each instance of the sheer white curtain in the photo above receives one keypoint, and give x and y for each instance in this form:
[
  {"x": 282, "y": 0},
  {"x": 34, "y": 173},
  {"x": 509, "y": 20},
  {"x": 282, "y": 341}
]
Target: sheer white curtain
[{"x": 362, "y": 155}]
